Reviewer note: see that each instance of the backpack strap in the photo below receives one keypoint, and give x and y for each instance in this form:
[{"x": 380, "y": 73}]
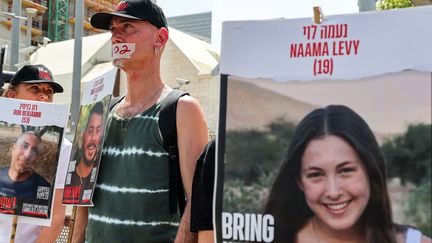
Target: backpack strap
[
  {"x": 115, "y": 101},
  {"x": 168, "y": 128}
]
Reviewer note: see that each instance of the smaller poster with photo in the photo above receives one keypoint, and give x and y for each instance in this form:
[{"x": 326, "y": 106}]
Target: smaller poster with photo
[
  {"x": 87, "y": 145},
  {"x": 30, "y": 140}
]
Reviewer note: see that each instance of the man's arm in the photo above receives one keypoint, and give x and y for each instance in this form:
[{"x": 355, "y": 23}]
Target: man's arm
[
  {"x": 205, "y": 236},
  {"x": 192, "y": 135},
  {"x": 50, "y": 234},
  {"x": 80, "y": 225}
]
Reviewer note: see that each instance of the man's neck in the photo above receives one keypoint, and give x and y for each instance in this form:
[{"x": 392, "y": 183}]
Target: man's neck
[
  {"x": 82, "y": 169},
  {"x": 18, "y": 177},
  {"x": 141, "y": 84},
  {"x": 140, "y": 91}
]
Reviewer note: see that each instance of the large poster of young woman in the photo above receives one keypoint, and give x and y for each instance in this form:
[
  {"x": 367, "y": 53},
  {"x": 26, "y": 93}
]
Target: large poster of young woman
[{"x": 325, "y": 129}]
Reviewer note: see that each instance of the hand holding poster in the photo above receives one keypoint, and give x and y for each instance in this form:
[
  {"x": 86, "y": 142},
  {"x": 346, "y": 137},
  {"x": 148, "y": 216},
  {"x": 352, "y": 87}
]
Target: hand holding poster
[
  {"x": 30, "y": 139},
  {"x": 87, "y": 146}
]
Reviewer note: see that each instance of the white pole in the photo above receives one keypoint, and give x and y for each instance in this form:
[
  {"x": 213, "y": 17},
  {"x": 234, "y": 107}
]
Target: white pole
[
  {"x": 76, "y": 77},
  {"x": 31, "y": 12},
  {"x": 15, "y": 35}
]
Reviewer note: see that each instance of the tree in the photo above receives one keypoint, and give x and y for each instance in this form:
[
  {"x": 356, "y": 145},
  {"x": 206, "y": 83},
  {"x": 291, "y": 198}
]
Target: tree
[
  {"x": 393, "y": 4},
  {"x": 251, "y": 153},
  {"x": 418, "y": 209},
  {"x": 408, "y": 155}
]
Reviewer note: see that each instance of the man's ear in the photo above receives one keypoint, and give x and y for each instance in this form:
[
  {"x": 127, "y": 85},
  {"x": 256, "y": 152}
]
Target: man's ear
[
  {"x": 10, "y": 93},
  {"x": 161, "y": 37}
]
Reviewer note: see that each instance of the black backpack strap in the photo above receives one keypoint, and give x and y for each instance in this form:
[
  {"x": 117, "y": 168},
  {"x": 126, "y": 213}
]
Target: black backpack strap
[
  {"x": 115, "y": 101},
  {"x": 168, "y": 128}
]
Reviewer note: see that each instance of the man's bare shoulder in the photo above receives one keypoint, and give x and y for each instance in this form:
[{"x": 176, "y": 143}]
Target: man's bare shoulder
[
  {"x": 191, "y": 122},
  {"x": 188, "y": 102},
  {"x": 189, "y": 108}
]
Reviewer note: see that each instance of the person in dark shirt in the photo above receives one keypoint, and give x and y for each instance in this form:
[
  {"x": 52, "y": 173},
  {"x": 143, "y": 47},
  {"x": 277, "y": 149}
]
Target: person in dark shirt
[
  {"x": 202, "y": 194},
  {"x": 19, "y": 182}
]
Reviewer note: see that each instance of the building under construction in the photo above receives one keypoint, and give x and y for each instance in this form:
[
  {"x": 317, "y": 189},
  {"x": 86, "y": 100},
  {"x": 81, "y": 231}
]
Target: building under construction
[{"x": 54, "y": 19}]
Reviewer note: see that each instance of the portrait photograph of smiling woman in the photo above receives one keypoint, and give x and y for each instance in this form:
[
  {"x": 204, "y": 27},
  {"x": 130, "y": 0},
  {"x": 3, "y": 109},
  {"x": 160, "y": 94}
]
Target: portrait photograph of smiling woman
[
  {"x": 324, "y": 156},
  {"x": 352, "y": 172},
  {"x": 334, "y": 179}
]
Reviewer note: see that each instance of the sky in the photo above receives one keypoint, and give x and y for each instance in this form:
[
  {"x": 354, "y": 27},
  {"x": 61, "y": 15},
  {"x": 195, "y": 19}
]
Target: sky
[{"x": 225, "y": 10}]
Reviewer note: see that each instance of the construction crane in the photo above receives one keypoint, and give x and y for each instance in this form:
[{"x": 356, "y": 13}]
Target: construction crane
[{"x": 58, "y": 20}]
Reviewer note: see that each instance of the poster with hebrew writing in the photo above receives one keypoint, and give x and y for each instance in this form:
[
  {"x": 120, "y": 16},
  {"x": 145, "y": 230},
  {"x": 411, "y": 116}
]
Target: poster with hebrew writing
[
  {"x": 87, "y": 145},
  {"x": 30, "y": 140},
  {"x": 288, "y": 87}
]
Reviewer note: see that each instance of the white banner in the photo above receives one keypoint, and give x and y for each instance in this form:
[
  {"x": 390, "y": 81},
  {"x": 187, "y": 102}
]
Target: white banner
[
  {"x": 99, "y": 87},
  {"x": 25, "y": 112},
  {"x": 285, "y": 50}
]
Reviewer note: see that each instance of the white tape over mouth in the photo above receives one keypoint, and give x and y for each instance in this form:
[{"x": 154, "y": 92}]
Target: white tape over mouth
[{"x": 122, "y": 50}]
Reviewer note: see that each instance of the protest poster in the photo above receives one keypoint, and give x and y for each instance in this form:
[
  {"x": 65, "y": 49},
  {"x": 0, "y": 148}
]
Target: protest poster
[
  {"x": 30, "y": 139},
  {"x": 87, "y": 145},
  {"x": 275, "y": 72}
]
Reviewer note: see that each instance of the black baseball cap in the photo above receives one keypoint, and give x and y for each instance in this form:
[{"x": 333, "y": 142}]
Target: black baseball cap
[
  {"x": 34, "y": 74},
  {"x": 131, "y": 9}
]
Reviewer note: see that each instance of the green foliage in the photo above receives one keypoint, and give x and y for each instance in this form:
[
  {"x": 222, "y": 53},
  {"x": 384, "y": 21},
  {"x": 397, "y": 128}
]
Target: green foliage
[
  {"x": 393, "y": 4},
  {"x": 239, "y": 197},
  {"x": 3, "y": 124},
  {"x": 252, "y": 153},
  {"x": 418, "y": 208},
  {"x": 408, "y": 156},
  {"x": 253, "y": 158}
]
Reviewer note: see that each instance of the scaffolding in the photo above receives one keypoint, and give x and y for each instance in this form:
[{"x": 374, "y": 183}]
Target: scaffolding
[
  {"x": 58, "y": 19},
  {"x": 60, "y": 16}
]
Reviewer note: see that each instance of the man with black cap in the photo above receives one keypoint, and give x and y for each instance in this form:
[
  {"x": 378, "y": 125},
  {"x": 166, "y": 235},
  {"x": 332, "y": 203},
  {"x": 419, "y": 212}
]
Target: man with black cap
[
  {"x": 36, "y": 83},
  {"x": 131, "y": 196}
]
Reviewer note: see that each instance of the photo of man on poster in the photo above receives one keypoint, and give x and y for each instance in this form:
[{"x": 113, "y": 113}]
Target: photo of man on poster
[
  {"x": 36, "y": 83},
  {"x": 80, "y": 181},
  {"x": 19, "y": 182}
]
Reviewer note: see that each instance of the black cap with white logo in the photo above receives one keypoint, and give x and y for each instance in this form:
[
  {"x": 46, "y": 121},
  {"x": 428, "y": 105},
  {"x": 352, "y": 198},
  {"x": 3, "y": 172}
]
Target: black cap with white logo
[
  {"x": 131, "y": 9},
  {"x": 34, "y": 74}
]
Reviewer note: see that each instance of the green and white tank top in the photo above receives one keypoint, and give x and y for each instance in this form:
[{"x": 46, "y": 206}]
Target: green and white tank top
[{"x": 131, "y": 195}]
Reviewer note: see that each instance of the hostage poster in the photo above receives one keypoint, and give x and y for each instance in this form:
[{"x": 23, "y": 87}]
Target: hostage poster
[
  {"x": 302, "y": 116},
  {"x": 30, "y": 139},
  {"x": 87, "y": 145}
]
